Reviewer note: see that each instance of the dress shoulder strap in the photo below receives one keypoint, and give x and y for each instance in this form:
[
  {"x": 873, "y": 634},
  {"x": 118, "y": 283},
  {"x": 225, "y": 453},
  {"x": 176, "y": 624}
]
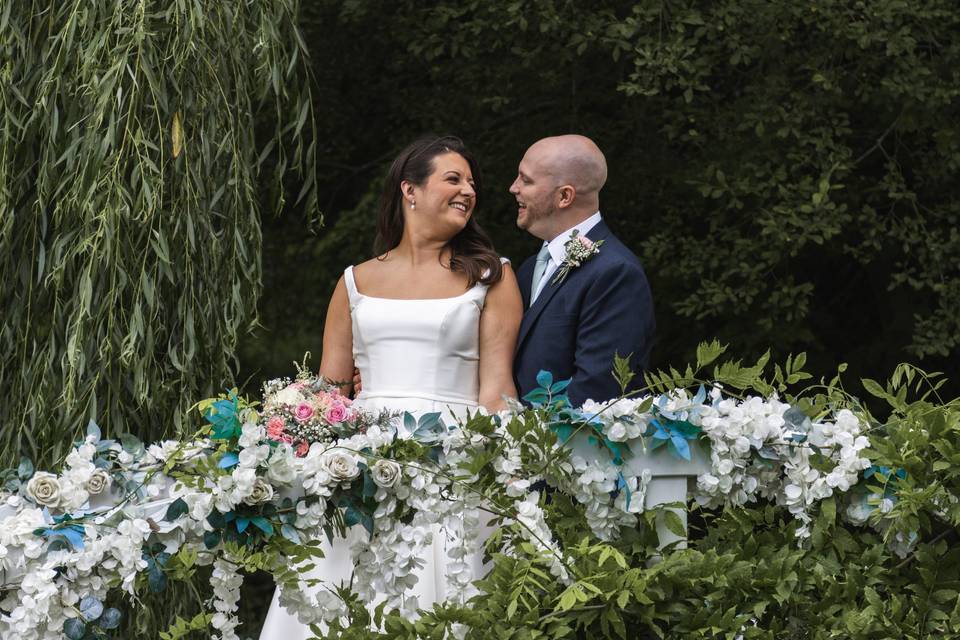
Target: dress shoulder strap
[
  {"x": 481, "y": 289},
  {"x": 352, "y": 292}
]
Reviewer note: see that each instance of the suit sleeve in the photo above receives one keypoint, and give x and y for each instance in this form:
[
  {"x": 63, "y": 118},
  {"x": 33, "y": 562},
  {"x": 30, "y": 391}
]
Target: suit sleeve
[{"x": 616, "y": 316}]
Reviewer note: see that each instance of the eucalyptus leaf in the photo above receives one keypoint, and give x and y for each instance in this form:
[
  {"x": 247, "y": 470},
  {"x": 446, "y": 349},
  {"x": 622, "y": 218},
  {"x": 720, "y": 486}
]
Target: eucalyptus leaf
[
  {"x": 176, "y": 509},
  {"x": 90, "y": 608},
  {"x": 110, "y": 619},
  {"x": 25, "y": 469},
  {"x": 74, "y": 628}
]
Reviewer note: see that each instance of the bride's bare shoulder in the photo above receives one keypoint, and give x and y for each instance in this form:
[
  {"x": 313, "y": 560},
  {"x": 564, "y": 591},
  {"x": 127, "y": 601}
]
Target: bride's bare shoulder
[{"x": 373, "y": 270}]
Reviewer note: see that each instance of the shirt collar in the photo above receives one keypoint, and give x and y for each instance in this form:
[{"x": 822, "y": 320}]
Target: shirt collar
[{"x": 556, "y": 246}]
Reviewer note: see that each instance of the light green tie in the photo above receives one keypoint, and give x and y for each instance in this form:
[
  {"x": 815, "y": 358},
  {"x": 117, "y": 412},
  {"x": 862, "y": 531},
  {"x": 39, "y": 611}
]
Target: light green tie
[{"x": 542, "y": 259}]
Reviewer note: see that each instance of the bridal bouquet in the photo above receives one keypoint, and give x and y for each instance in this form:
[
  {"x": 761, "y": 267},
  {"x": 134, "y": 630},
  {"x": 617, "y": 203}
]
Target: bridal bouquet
[{"x": 307, "y": 410}]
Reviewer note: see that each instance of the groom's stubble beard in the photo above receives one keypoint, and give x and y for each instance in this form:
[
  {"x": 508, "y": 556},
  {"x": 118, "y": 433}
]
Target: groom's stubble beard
[{"x": 532, "y": 220}]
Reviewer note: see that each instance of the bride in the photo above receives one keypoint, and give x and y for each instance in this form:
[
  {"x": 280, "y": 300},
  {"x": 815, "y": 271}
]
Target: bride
[{"x": 431, "y": 322}]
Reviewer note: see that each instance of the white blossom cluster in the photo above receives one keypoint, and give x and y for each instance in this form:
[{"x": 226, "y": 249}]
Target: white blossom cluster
[
  {"x": 534, "y": 529},
  {"x": 755, "y": 451},
  {"x": 758, "y": 448}
]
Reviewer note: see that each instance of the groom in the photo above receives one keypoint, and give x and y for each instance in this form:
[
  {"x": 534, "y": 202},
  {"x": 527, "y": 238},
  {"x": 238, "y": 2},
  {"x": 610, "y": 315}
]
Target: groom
[{"x": 576, "y": 317}]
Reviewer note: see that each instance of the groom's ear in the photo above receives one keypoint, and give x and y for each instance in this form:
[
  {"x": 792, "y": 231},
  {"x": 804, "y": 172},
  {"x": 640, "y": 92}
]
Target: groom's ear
[{"x": 568, "y": 193}]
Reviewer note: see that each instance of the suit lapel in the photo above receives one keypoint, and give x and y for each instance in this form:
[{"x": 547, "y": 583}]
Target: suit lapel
[{"x": 600, "y": 231}]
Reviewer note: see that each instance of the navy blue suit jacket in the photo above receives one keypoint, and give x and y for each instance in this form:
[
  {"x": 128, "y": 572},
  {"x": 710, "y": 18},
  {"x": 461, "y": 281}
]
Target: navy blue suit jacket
[{"x": 574, "y": 327}]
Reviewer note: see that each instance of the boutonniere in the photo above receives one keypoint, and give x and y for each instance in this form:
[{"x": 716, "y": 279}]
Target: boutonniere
[{"x": 578, "y": 249}]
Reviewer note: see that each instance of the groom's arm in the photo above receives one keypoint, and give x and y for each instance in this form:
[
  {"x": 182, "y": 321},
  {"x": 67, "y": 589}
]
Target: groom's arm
[{"x": 616, "y": 317}]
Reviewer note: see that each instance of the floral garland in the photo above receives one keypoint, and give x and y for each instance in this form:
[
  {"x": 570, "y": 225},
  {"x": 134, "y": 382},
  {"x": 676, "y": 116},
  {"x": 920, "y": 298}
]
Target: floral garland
[{"x": 118, "y": 513}]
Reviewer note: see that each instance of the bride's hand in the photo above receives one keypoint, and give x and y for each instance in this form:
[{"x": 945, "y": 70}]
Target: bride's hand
[{"x": 357, "y": 382}]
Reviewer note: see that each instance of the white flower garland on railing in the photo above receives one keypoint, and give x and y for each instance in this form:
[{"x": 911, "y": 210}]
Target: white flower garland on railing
[{"x": 68, "y": 540}]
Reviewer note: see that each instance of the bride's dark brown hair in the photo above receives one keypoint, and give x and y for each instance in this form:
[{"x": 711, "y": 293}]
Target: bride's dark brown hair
[{"x": 471, "y": 250}]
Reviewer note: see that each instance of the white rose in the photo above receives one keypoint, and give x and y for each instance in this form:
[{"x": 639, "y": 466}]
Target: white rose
[
  {"x": 44, "y": 488},
  {"x": 99, "y": 481},
  {"x": 342, "y": 466},
  {"x": 385, "y": 473},
  {"x": 262, "y": 492}
]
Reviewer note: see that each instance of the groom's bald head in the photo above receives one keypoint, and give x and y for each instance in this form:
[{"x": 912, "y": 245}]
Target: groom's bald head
[
  {"x": 558, "y": 184},
  {"x": 573, "y": 159}
]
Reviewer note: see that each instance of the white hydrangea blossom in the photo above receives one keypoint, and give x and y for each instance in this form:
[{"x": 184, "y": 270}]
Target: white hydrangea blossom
[{"x": 756, "y": 450}]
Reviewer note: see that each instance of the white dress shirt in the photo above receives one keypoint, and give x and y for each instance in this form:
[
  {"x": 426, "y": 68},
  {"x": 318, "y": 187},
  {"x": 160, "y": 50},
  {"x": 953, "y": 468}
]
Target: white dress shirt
[{"x": 558, "y": 251}]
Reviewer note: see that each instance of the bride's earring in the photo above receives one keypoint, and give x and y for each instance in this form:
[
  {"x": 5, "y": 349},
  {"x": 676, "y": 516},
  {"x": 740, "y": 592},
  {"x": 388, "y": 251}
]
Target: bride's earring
[{"x": 413, "y": 205}]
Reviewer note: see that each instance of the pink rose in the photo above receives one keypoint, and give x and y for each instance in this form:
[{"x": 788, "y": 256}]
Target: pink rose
[
  {"x": 337, "y": 413},
  {"x": 302, "y": 448},
  {"x": 275, "y": 427},
  {"x": 303, "y": 412},
  {"x": 586, "y": 242}
]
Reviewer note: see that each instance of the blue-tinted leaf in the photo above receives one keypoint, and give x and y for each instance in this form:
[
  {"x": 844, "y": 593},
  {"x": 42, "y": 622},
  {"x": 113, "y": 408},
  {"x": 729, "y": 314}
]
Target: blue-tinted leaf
[
  {"x": 90, "y": 608},
  {"x": 700, "y": 396},
  {"x": 615, "y": 450},
  {"x": 110, "y": 619},
  {"x": 369, "y": 486},
  {"x": 211, "y": 539},
  {"x": 622, "y": 485},
  {"x": 429, "y": 429},
  {"x": 131, "y": 444},
  {"x": 544, "y": 379},
  {"x": 216, "y": 520},
  {"x": 429, "y": 420},
  {"x": 58, "y": 544},
  {"x": 242, "y": 524},
  {"x": 351, "y": 517},
  {"x": 74, "y": 536},
  {"x": 680, "y": 446},
  {"x": 25, "y": 469},
  {"x": 263, "y": 524},
  {"x": 156, "y": 579},
  {"x": 563, "y": 431},
  {"x": 229, "y": 459},
  {"x": 536, "y": 397},
  {"x": 558, "y": 387},
  {"x": 290, "y": 533},
  {"x": 367, "y": 522},
  {"x": 74, "y": 628},
  {"x": 409, "y": 422},
  {"x": 176, "y": 509},
  {"x": 94, "y": 430},
  {"x": 768, "y": 453}
]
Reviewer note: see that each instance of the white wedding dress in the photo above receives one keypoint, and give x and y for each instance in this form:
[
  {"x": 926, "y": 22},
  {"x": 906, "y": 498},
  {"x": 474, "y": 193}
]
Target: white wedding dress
[{"x": 414, "y": 355}]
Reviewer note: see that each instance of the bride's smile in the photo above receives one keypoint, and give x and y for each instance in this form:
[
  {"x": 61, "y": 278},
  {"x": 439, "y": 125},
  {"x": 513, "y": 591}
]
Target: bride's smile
[{"x": 448, "y": 197}]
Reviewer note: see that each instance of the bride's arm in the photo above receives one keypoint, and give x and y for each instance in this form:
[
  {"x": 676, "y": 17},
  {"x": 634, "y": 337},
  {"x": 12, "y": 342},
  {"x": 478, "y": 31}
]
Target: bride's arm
[
  {"x": 499, "y": 326},
  {"x": 336, "y": 363}
]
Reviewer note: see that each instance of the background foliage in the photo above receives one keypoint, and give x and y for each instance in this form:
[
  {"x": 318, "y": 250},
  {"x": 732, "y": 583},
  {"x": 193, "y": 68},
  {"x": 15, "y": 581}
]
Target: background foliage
[
  {"x": 786, "y": 171},
  {"x": 131, "y": 190}
]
